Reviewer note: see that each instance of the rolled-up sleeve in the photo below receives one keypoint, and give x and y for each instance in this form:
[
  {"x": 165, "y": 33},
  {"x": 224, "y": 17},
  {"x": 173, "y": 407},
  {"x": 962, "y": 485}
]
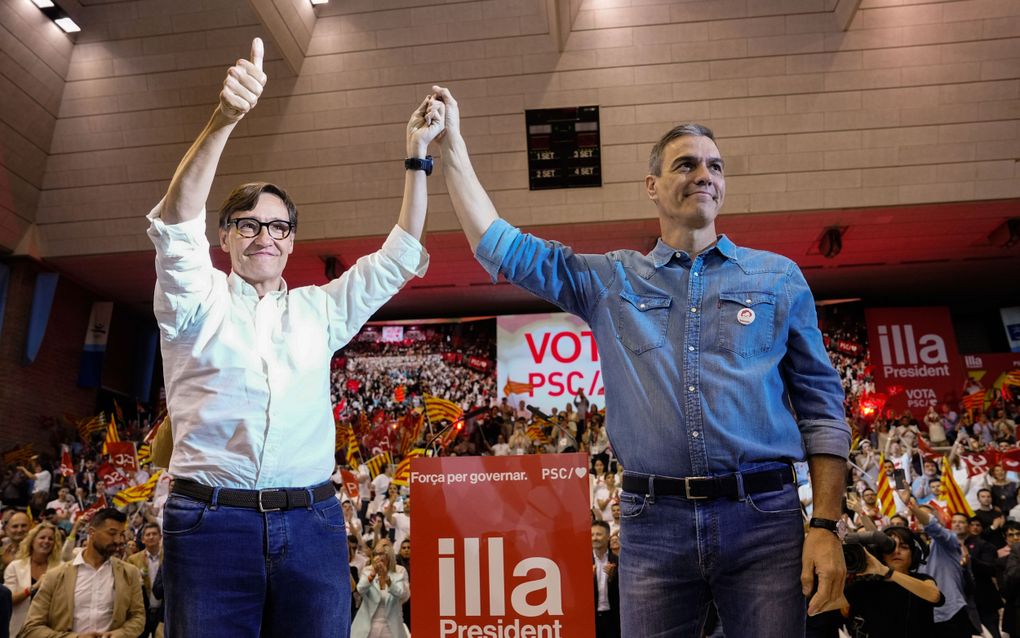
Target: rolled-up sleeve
[
  {"x": 547, "y": 269},
  {"x": 813, "y": 385},
  {"x": 185, "y": 276},
  {"x": 370, "y": 283}
]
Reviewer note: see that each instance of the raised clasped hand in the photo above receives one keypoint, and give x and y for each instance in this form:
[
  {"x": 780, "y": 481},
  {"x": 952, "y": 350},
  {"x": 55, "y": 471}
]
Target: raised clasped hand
[
  {"x": 244, "y": 84},
  {"x": 425, "y": 125}
]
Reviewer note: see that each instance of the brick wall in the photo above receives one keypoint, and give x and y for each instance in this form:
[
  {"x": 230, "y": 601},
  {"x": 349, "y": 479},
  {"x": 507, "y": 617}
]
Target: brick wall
[
  {"x": 34, "y": 56},
  {"x": 47, "y": 387}
]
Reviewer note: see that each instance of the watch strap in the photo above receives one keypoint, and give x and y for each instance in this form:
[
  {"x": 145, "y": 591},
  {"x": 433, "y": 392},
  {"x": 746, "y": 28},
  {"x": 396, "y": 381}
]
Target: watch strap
[
  {"x": 825, "y": 523},
  {"x": 419, "y": 164}
]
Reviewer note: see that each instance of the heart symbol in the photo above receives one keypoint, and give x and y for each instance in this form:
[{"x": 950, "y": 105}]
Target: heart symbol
[{"x": 580, "y": 472}]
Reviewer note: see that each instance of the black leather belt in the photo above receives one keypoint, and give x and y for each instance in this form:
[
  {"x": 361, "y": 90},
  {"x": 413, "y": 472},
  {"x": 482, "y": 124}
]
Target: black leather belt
[
  {"x": 266, "y": 500},
  {"x": 706, "y": 487}
]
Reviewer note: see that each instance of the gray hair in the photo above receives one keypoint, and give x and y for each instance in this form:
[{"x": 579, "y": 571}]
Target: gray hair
[{"x": 655, "y": 157}]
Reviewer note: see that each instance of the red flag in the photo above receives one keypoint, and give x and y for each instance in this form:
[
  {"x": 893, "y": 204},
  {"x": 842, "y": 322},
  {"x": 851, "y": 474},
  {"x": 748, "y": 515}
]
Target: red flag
[
  {"x": 122, "y": 455},
  {"x": 979, "y": 462},
  {"x": 400, "y": 394},
  {"x": 66, "y": 464},
  {"x": 350, "y": 485},
  {"x": 95, "y": 507},
  {"x": 112, "y": 476},
  {"x": 1010, "y": 460},
  {"x": 926, "y": 450}
]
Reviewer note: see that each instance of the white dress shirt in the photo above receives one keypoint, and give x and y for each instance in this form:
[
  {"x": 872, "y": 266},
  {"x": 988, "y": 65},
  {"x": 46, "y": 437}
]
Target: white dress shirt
[
  {"x": 93, "y": 596},
  {"x": 248, "y": 379},
  {"x": 152, "y": 564},
  {"x": 602, "y": 604}
]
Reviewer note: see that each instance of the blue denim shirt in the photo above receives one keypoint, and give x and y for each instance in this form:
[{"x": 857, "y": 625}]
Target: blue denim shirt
[
  {"x": 690, "y": 390},
  {"x": 944, "y": 566}
]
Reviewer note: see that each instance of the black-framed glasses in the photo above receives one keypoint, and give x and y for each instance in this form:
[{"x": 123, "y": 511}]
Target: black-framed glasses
[{"x": 249, "y": 227}]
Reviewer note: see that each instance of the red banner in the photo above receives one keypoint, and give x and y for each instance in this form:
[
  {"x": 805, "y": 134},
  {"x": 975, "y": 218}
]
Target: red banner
[
  {"x": 914, "y": 351},
  {"x": 112, "y": 476},
  {"x": 480, "y": 364},
  {"x": 992, "y": 371},
  {"x": 351, "y": 485},
  {"x": 122, "y": 456},
  {"x": 503, "y": 547}
]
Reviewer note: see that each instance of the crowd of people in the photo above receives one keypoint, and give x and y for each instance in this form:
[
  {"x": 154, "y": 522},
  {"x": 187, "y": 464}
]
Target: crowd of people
[{"x": 955, "y": 571}]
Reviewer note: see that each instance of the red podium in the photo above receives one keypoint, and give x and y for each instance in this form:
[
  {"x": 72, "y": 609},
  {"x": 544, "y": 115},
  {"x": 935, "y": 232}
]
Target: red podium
[{"x": 502, "y": 547}]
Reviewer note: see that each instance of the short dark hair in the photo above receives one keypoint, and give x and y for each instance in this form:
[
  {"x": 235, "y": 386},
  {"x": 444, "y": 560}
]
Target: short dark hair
[
  {"x": 975, "y": 519},
  {"x": 1011, "y": 526},
  {"x": 984, "y": 489},
  {"x": 246, "y": 197},
  {"x": 108, "y": 514},
  {"x": 655, "y": 157},
  {"x": 150, "y": 525},
  {"x": 604, "y": 525}
]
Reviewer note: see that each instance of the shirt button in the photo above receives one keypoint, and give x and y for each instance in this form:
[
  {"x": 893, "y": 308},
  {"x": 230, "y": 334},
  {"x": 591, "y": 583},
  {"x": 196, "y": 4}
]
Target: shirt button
[
  {"x": 747, "y": 301},
  {"x": 694, "y": 434},
  {"x": 690, "y": 388},
  {"x": 691, "y": 348},
  {"x": 694, "y": 309},
  {"x": 679, "y": 254},
  {"x": 696, "y": 273},
  {"x": 641, "y": 305}
]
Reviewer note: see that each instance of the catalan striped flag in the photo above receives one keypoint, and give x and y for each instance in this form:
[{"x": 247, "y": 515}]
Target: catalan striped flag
[
  {"x": 353, "y": 449},
  {"x": 138, "y": 492},
  {"x": 1011, "y": 381},
  {"x": 536, "y": 434},
  {"x": 974, "y": 400},
  {"x": 517, "y": 387},
  {"x": 442, "y": 409},
  {"x": 884, "y": 492},
  {"x": 403, "y": 474},
  {"x": 88, "y": 426},
  {"x": 955, "y": 500},
  {"x": 19, "y": 455},
  {"x": 145, "y": 449},
  {"x": 111, "y": 434},
  {"x": 377, "y": 464}
]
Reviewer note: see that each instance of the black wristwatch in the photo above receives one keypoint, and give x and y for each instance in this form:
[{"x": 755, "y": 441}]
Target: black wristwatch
[
  {"x": 419, "y": 164},
  {"x": 836, "y": 527}
]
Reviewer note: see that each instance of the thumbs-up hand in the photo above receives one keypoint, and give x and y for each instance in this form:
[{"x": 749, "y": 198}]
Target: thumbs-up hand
[{"x": 244, "y": 84}]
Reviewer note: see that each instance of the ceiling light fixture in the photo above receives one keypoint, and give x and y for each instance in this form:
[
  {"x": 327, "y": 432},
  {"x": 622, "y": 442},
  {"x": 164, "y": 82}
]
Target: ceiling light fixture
[{"x": 53, "y": 11}]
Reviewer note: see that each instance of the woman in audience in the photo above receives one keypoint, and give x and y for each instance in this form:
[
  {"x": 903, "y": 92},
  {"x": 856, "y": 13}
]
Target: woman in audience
[
  {"x": 39, "y": 551},
  {"x": 384, "y": 589},
  {"x": 1003, "y": 489},
  {"x": 891, "y": 598}
]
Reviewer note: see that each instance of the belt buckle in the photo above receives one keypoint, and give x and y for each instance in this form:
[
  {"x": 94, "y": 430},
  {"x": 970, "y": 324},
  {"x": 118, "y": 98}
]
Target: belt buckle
[
  {"x": 261, "y": 507},
  {"x": 687, "y": 488}
]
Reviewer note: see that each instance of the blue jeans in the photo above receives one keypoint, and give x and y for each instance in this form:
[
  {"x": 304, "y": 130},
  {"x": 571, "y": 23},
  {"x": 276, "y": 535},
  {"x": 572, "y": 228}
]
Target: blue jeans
[
  {"x": 237, "y": 572},
  {"x": 679, "y": 555}
]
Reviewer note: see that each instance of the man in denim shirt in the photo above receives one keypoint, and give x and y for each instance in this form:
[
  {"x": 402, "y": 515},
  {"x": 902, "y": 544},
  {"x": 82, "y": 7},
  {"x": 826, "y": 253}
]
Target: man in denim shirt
[
  {"x": 714, "y": 368},
  {"x": 944, "y": 564}
]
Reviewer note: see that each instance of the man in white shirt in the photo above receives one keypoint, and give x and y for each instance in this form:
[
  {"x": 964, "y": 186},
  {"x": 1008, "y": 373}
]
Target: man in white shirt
[
  {"x": 252, "y": 528},
  {"x": 95, "y": 595},
  {"x": 148, "y": 561},
  {"x": 63, "y": 505},
  {"x": 607, "y": 588}
]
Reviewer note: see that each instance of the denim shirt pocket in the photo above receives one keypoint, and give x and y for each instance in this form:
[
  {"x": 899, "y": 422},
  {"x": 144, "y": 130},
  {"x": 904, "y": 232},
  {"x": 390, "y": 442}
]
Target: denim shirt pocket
[
  {"x": 641, "y": 320},
  {"x": 747, "y": 334}
]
